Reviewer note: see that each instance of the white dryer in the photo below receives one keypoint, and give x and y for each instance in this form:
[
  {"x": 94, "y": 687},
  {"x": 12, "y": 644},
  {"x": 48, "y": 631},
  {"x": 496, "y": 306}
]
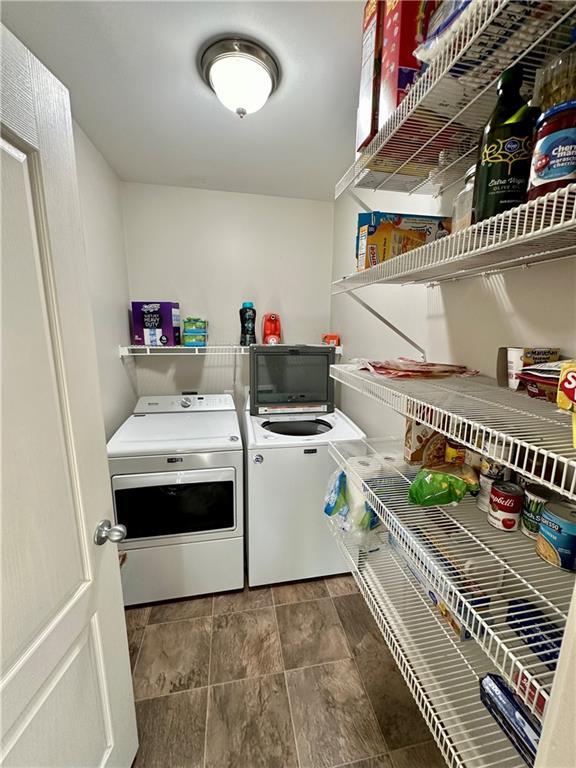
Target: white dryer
[
  {"x": 287, "y": 470},
  {"x": 176, "y": 468}
]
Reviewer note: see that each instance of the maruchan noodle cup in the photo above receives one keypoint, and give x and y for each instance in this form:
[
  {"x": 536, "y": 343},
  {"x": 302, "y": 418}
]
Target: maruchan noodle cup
[
  {"x": 494, "y": 470},
  {"x": 556, "y": 542},
  {"x": 535, "y": 497},
  {"x": 505, "y": 505}
]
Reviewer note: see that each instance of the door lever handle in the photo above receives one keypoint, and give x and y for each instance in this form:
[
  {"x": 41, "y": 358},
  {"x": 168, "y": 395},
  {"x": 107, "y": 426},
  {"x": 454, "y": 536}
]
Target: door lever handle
[{"x": 105, "y": 531}]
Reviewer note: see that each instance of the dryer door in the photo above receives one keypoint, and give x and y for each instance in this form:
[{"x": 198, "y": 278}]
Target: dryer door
[{"x": 168, "y": 507}]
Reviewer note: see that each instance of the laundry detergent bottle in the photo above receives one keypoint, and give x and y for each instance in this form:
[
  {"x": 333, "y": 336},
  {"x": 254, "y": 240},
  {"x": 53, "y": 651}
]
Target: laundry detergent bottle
[{"x": 247, "y": 324}]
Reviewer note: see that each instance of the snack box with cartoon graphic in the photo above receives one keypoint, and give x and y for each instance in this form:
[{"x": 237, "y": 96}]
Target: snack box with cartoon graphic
[{"x": 382, "y": 235}]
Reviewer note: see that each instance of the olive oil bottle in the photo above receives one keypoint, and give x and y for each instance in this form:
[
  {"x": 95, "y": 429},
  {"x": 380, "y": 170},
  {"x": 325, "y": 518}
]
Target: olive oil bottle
[{"x": 505, "y": 150}]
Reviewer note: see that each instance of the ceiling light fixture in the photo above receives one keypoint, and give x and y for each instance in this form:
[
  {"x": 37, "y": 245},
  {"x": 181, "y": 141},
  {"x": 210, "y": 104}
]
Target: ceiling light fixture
[{"x": 241, "y": 73}]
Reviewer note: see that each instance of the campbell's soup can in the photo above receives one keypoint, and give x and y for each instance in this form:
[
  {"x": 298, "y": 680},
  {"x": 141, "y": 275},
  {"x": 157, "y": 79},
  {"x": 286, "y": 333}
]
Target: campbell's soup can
[
  {"x": 505, "y": 505},
  {"x": 535, "y": 497},
  {"x": 483, "y": 498},
  {"x": 494, "y": 470},
  {"x": 556, "y": 542}
]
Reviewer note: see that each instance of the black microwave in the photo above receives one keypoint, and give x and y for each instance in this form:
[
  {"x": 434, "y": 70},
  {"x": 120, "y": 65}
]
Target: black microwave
[{"x": 291, "y": 379}]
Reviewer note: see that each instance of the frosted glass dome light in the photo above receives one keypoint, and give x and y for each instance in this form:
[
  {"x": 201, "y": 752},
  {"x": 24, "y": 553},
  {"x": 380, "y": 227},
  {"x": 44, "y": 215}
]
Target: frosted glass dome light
[{"x": 241, "y": 74}]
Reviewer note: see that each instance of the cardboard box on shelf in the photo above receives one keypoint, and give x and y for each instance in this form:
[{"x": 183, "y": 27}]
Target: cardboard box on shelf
[
  {"x": 511, "y": 360},
  {"x": 422, "y": 444},
  {"x": 405, "y": 26},
  {"x": 367, "y": 115},
  {"x": 156, "y": 323},
  {"x": 381, "y": 236}
]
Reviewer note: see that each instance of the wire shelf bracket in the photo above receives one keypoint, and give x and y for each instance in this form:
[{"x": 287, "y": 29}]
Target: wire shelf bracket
[{"x": 421, "y": 351}]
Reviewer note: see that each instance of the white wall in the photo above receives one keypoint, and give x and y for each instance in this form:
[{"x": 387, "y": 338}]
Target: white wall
[
  {"x": 212, "y": 250},
  {"x": 107, "y": 276},
  {"x": 461, "y": 322}
]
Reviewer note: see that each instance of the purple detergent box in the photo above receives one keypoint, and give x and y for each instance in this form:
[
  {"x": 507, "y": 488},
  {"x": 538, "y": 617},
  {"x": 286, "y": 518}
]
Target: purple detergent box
[{"x": 156, "y": 323}]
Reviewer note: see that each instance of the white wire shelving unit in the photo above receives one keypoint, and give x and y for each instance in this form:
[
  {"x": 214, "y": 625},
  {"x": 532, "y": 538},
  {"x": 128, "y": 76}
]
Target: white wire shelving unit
[
  {"x": 529, "y": 436},
  {"x": 180, "y": 351},
  {"x": 430, "y": 140},
  {"x": 441, "y": 672},
  {"x": 136, "y": 350},
  {"x": 538, "y": 231},
  {"x": 474, "y": 568}
]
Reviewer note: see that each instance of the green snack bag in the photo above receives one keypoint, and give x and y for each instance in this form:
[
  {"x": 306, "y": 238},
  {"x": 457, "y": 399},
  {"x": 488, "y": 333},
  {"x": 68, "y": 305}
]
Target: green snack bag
[{"x": 445, "y": 484}]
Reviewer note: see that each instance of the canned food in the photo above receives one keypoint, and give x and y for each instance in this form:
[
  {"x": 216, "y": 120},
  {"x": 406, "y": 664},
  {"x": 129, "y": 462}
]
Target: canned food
[
  {"x": 535, "y": 496},
  {"x": 505, "y": 505},
  {"x": 494, "y": 470},
  {"x": 556, "y": 542},
  {"x": 483, "y": 499}
]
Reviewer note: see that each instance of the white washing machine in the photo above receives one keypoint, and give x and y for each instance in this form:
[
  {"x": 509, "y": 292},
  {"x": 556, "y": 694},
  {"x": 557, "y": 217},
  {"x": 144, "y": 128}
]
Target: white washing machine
[
  {"x": 176, "y": 468},
  {"x": 287, "y": 470}
]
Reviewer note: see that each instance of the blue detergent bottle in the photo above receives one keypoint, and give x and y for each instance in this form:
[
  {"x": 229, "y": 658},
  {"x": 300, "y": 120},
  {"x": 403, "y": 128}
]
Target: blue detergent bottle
[{"x": 247, "y": 324}]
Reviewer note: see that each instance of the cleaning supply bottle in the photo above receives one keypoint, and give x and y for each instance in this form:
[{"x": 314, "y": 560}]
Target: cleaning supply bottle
[
  {"x": 503, "y": 166},
  {"x": 247, "y": 324}
]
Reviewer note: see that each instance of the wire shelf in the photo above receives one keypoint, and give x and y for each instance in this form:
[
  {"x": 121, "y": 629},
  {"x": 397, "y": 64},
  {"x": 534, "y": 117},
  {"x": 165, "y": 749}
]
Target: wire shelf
[
  {"x": 211, "y": 349},
  {"x": 441, "y": 673},
  {"x": 430, "y": 140},
  {"x": 139, "y": 351},
  {"x": 529, "y": 436},
  {"x": 474, "y": 568},
  {"x": 541, "y": 230}
]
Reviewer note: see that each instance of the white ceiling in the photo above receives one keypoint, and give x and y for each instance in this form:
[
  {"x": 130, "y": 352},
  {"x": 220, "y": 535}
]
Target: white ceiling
[{"x": 131, "y": 71}]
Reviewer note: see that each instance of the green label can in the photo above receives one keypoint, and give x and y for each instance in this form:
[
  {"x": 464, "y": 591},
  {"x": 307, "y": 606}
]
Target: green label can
[{"x": 535, "y": 497}]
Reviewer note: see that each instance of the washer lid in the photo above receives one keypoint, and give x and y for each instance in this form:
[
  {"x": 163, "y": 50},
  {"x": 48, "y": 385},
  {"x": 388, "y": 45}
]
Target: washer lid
[
  {"x": 184, "y": 403},
  {"x": 149, "y": 434},
  {"x": 260, "y": 436}
]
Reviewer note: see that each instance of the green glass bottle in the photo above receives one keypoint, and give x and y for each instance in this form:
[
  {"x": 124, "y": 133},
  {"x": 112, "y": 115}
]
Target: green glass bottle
[{"x": 505, "y": 150}]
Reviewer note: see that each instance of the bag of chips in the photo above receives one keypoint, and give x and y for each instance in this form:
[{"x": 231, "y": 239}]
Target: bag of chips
[{"x": 444, "y": 484}]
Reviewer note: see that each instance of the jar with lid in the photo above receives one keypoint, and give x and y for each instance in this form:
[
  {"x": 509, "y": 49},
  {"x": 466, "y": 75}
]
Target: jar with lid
[
  {"x": 463, "y": 210},
  {"x": 554, "y": 157}
]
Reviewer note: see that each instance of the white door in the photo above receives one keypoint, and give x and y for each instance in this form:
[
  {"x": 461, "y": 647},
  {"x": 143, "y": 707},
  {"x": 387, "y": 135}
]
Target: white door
[{"x": 66, "y": 692}]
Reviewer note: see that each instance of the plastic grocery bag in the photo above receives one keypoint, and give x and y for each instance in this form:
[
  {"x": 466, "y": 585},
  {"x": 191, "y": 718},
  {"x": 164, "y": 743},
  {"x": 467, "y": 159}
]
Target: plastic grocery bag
[
  {"x": 441, "y": 485},
  {"x": 346, "y": 505},
  {"x": 335, "y": 502}
]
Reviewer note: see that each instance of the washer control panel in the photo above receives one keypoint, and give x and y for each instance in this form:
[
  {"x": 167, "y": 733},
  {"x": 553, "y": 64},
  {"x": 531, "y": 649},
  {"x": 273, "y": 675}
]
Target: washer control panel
[{"x": 183, "y": 403}]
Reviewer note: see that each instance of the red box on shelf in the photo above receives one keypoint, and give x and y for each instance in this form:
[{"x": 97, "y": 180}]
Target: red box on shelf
[{"x": 405, "y": 26}]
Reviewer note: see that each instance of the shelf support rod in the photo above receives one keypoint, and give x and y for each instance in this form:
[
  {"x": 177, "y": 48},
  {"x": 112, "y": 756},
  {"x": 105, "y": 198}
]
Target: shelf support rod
[
  {"x": 388, "y": 324},
  {"x": 359, "y": 202}
]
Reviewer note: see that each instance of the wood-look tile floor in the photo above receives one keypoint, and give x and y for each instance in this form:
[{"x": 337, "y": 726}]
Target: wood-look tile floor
[{"x": 290, "y": 676}]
